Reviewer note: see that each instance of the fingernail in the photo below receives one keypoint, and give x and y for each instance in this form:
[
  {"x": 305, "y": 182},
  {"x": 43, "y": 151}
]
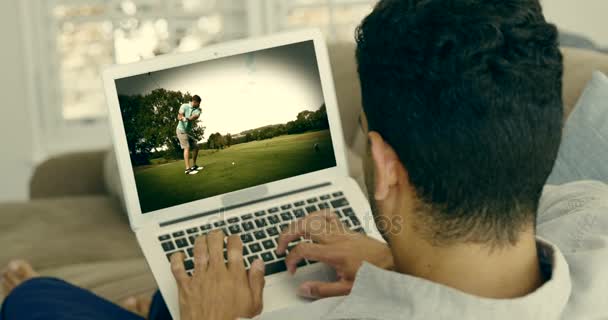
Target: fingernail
[
  {"x": 258, "y": 264},
  {"x": 305, "y": 291}
]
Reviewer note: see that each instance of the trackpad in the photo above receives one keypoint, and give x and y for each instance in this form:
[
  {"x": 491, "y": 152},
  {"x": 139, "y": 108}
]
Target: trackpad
[{"x": 281, "y": 290}]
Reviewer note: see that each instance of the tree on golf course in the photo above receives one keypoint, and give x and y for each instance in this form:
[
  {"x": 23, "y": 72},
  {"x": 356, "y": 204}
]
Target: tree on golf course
[{"x": 150, "y": 121}]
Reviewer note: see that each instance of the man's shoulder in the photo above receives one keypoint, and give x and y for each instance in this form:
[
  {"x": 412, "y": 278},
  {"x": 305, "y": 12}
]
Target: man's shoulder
[{"x": 574, "y": 217}]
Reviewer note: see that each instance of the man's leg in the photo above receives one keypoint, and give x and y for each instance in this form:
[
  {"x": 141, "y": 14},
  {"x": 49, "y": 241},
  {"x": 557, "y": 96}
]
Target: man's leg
[
  {"x": 48, "y": 298},
  {"x": 194, "y": 156},
  {"x": 187, "y": 157}
]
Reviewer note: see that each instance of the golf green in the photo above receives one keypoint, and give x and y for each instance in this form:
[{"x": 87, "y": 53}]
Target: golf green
[{"x": 255, "y": 163}]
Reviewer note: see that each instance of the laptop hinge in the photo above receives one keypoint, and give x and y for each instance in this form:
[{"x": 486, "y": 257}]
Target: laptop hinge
[{"x": 243, "y": 204}]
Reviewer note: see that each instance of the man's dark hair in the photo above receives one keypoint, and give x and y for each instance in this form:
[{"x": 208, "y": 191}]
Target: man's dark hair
[
  {"x": 469, "y": 94},
  {"x": 196, "y": 98}
]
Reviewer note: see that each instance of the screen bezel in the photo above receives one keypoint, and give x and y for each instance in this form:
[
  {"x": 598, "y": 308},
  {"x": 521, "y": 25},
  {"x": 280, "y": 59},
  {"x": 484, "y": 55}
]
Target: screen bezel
[{"x": 127, "y": 177}]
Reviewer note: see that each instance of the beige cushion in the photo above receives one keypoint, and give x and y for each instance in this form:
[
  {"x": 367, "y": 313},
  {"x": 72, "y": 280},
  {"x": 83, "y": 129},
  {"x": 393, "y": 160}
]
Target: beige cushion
[
  {"x": 579, "y": 65},
  {"x": 85, "y": 240}
]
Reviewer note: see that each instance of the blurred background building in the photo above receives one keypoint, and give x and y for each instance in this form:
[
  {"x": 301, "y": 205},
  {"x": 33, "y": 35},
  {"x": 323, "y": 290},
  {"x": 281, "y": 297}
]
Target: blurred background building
[{"x": 53, "y": 51}]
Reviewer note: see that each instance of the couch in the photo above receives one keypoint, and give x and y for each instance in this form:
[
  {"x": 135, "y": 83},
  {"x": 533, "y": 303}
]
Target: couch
[{"x": 74, "y": 228}]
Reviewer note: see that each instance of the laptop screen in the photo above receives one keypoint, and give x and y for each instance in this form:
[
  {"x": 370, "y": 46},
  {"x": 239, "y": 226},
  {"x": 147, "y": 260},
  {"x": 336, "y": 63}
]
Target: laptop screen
[{"x": 218, "y": 126}]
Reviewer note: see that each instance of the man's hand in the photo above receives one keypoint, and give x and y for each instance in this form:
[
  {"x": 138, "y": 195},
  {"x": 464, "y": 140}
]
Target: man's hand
[
  {"x": 217, "y": 290},
  {"x": 335, "y": 245}
]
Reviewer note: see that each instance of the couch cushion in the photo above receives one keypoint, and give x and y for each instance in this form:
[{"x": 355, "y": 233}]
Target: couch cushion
[
  {"x": 85, "y": 240},
  {"x": 579, "y": 65},
  {"x": 584, "y": 150}
]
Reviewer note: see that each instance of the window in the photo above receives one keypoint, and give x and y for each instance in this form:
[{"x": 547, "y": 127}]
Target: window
[
  {"x": 336, "y": 18},
  {"x": 91, "y": 34}
]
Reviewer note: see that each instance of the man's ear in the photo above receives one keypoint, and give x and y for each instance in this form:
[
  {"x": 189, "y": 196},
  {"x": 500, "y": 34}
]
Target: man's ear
[{"x": 386, "y": 165}]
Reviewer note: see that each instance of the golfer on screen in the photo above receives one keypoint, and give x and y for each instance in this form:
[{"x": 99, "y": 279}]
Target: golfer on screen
[{"x": 187, "y": 116}]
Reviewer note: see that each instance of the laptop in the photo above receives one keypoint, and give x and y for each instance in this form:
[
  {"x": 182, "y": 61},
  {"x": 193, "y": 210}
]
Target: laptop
[{"x": 271, "y": 151}]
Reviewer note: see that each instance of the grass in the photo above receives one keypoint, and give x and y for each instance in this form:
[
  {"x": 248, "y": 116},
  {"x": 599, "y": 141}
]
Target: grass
[{"x": 258, "y": 162}]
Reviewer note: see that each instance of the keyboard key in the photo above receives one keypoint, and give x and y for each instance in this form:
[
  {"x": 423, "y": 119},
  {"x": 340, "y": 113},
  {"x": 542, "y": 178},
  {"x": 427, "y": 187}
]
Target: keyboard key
[
  {"x": 192, "y": 230},
  {"x": 301, "y": 263},
  {"x": 274, "y": 219},
  {"x": 283, "y": 226},
  {"x": 225, "y": 255},
  {"x": 245, "y": 251},
  {"x": 235, "y": 228},
  {"x": 246, "y": 216},
  {"x": 233, "y": 220},
  {"x": 281, "y": 256},
  {"x": 252, "y": 258},
  {"x": 164, "y": 237},
  {"x": 272, "y": 231},
  {"x": 260, "y": 213},
  {"x": 299, "y": 203},
  {"x": 360, "y": 230},
  {"x": 339, "y": 203},
  {"x": 312, "y": 200},
  {"x": 247, "y": 225},
  {"x": 355, "y": 221},
  {"x": 220, "y": 223},
  {"x": 275, "y": 267},
  {"x": 346, "y": 223},
  {"x": 260, "y": 234},
  {"x": 311, "y": 209},
  {"x": 255, "y": 248},
  {"x": 190, "y": 252},
  {"x": 178, "y": 234},
  {"x": 246, "y": 238},
  {"x": 192, "y": 239},
  {"x": 337, "y": 194},
  {"x": 285, "y": 206},
  {"x": 267, "y": 256},
  {"x": 286, "y": 216},
  {"x": 190, "y": 273},
  {"x": 273, "y": 210},
  {"x": 189, "y": 265},
  {"x": 325, "y": 197},
  {"x": 268, "y": 244},
  {"x": 323, "y": 205},
  {"x": 299, "y": 213},
  {"x": 206, "y": 227},
  {"x": 181, "y": 242},
  {"x": 349, "y": 211},
  {"x": 168, "y": 246},
  {"x": 261, "y": 223}
]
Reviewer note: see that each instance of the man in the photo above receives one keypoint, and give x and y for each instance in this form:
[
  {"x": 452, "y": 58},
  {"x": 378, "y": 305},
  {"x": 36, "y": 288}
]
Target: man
[
  {"x": 464, "y": 111},
  {"x": 187, "y": 116},
  {"x": 464, "y": 107}
]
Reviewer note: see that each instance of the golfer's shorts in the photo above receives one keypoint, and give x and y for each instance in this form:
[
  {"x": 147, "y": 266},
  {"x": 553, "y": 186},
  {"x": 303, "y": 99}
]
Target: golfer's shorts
[{"x": 186, "y": 141}]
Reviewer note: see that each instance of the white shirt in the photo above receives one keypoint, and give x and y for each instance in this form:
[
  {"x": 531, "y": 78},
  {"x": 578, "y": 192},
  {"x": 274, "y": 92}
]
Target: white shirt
[{"x": 572, "y": 229}]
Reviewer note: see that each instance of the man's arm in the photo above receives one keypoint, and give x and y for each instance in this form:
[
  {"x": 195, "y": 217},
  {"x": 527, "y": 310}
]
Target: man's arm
[{"x": 195, "y": 116}]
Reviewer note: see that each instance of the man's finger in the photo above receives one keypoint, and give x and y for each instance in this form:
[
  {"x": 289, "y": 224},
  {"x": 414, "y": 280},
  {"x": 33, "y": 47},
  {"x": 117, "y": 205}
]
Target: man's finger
[
  {"x": 256, "y": 283},
  {"x": 307, "y": 250},
  {"x": 235, "y": 254},
  {"x": 215, "y": 243},
  {"x": 312, "y": 226},
  {"x": 178, "y": 269},
  {"x": 201, "y": 255},
  {"x": 319, "y": 289}
]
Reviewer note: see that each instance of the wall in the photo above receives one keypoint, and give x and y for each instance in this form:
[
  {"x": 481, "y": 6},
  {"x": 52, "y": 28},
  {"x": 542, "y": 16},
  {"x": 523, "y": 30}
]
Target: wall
[
  {"x": 15, "y": 131},
  {"x": 588, "y": 17}
]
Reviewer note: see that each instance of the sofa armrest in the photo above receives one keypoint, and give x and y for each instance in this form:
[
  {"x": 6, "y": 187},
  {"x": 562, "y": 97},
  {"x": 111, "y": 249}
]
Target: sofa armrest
[{"x": 70, "y": 174}]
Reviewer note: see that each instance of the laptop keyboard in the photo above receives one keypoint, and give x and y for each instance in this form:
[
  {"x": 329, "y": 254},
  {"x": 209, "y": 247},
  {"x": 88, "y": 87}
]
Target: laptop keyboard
[{"x": 259, "y": 231}]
